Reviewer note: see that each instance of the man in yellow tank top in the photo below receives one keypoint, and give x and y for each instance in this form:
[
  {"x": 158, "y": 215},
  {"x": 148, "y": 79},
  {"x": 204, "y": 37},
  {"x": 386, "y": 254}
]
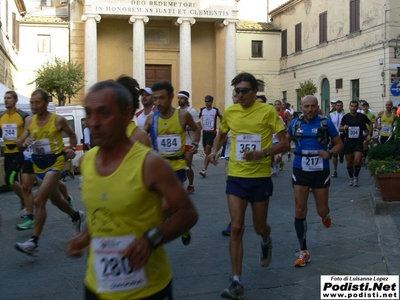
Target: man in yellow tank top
[
  {"x": 167, "y": 129},
  {"x": 12, "y": 123},
  {"x": 386, "y": 124},
  {"x": 44, "y": 136},
  {"x": 123, "y": 198},
  {"x": 249, "y": 176}
]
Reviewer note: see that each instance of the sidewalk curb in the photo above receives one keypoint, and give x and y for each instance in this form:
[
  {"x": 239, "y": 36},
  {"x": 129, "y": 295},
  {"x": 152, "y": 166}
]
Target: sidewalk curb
[{"x": 381, "y": 207}]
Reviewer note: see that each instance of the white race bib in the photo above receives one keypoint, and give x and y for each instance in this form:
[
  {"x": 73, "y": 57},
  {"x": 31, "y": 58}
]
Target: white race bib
[
  {"x": 112, "y": 269},
  {"x": 10, "y": 131},
  {"x": 245, "y": 143},
  {"x": 208, "y": 123},
  {"x": 386, "y": 129},
  {"x": 311, "y": 163},
  {"x": 41, "y": 147},
  {"x": 169, "y": 144},
  {"x": 354, "y": 132}
]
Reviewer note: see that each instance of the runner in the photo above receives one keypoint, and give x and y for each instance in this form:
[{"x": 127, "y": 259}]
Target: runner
[
  {"x": 353, "y": 125},
  {"x": 49, "y": 157}
]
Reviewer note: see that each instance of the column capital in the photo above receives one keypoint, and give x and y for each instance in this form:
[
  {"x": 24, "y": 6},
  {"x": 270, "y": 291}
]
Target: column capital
[
  {"x": 180, "y": 21},
  {"x": 97, "y": 18},
  {"x": 133, "y": 19},
  {"x": 226, "y": 22}
]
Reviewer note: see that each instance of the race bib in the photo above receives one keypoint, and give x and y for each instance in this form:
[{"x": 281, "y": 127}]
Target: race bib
[
  {"x": 10, "y": 131},
  {"x": 41, "y": 147},
  {"x": 386, "y": 129},
  {"x": 354, "y": 132},
  {"x": 208, "y": 123},
  {"x": 112, "y": 269},
  {"x": 169, "y": 144},
  {"x": 245, "y": 143},
  {"x": 312, "y": 162}
]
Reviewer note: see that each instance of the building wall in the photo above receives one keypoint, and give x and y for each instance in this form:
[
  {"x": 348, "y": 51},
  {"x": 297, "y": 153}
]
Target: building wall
[
  {"x": 363, "y": 55},
  {"x": 8, "y": 52},
  {"x": 29, "y": 56},
  {"x": 265, "y": 68}
]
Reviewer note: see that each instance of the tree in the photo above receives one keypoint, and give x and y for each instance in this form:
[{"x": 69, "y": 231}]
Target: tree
[
  {"x": 60, "y": 78},
  {"x": 307, "y": 88}
]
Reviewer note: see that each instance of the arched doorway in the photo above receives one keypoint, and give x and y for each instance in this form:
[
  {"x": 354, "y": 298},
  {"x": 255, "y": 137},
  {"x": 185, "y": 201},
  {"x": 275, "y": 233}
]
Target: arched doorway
[{"x": 325, "y": 96}]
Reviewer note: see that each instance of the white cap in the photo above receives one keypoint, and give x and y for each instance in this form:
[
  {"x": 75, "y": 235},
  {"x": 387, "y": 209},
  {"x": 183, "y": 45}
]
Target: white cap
[
  {"x": 333, "y": 101},
  {"x": 147, "y": 90}
]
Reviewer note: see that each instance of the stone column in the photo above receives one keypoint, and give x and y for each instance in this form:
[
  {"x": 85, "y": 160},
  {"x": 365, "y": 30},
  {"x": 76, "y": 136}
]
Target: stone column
[
  {"x": 185, "y": 53},
  {"x": 139, "y": 62},
  {"x": 230, "y": 57},
  {"x": 90, "y": 49}
]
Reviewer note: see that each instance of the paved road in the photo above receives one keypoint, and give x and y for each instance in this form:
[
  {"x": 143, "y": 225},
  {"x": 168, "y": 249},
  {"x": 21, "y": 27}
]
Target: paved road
[{"x": 358, "y": 242}]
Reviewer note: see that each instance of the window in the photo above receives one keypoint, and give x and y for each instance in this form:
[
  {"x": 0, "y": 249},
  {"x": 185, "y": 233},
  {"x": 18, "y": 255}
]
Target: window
[
  {"x": 323, "y": 28},
  {"x": 339, "y": 83},
  {"x": 298, "y": 98},
  {"x": 15, "y": 32},
  {"x": 284, "y": 43},
  {"x": 354, "y": 16},
  {"x": 298, "y": 38},
  {"x": 284, "y": 96},
  {"x": 256, "y": 48},
  {"x": 355, "y": 90},
  {"x": 43, "y": 42}
]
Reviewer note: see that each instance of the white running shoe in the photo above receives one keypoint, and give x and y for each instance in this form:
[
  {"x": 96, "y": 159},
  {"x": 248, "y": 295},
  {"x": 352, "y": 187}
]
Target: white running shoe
[{"x": 29, "y": 247}]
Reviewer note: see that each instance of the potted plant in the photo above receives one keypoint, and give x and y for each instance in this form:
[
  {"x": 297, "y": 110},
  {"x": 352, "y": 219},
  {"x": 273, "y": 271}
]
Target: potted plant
[{"x": 384, "y": 165}]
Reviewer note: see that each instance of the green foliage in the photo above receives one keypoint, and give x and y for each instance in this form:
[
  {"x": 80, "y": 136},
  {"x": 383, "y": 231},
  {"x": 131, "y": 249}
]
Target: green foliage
[
  {"x": 307, "y": 87},
  {"x": 385, "y": 151},
  {"x": 385, "y": 166},
  {"x": 60, "y": 78}
]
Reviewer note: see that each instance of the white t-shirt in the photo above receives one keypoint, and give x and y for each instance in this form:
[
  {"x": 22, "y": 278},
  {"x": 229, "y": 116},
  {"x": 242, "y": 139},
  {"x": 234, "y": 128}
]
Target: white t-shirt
[
  {"x": 189, "y": 132},
  {"x": 141, "y": 119}
]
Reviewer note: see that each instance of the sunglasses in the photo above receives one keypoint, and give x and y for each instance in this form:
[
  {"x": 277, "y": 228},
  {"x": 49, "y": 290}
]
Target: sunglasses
[{"x": 243, "y": 90}]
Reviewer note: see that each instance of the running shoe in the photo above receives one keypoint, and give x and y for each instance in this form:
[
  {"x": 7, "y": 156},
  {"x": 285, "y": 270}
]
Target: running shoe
[
  {"x": 266, "y": 254},
  {"x": 235, "y": 291},
  {"x": 186, "y": 238},
  {"x": 203, "y": 173},
  {"x": 71, "y": 201},
  {"x": 281, "y": 165},
  {"x": 327, "y": 221},
  {"x": 29, "y": 247},
  {"x": 351, "y": 181},
  {"x": 77, "y": 225},
  {"x": 27, "y": 224},
  {"x": 334, "y": 175},
  {"x": 355, "y": 181},
  {"x": 289, "y": 157},
  {"x": 304, "y": 258},
  {"x": 227, "y": 230},
  {"x": 23, "y": 213},
  {"x": 190, "y": 189}
]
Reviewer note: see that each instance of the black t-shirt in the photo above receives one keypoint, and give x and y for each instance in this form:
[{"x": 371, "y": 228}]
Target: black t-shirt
[{"x": 357, "y": 124}]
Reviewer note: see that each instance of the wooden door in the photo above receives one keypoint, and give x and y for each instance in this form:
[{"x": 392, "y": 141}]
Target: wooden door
[{"x": 156, "y": 73}]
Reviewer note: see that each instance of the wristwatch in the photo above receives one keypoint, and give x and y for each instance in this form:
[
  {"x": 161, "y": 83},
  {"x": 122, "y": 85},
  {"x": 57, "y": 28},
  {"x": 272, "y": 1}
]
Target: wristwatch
[
  {"x": 196, "y": 144},
  {"x": 266, "y": 152},
  {"x": 154, "y": 237}
]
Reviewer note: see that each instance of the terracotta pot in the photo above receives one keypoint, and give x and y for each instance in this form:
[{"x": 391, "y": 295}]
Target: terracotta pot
[{"x": 389, "y": 185}]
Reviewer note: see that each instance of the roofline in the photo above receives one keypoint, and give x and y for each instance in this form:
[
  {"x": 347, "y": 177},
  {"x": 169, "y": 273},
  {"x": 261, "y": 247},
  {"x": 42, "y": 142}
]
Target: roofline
[{"x": 280, "y": 9}]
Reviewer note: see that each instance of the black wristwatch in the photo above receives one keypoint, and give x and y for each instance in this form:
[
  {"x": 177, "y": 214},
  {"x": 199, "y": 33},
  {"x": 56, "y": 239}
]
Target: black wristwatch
[
  {"x": 196, "y": 144},
  {"x": 73, "y": 149},
  {"x": 266, "y": 152},
  {"x": 154, "y": 237}
]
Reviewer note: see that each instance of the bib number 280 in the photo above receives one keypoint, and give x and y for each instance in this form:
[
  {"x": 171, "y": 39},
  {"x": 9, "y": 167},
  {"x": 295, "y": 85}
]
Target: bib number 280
[{"x": 115, "y": 266}]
